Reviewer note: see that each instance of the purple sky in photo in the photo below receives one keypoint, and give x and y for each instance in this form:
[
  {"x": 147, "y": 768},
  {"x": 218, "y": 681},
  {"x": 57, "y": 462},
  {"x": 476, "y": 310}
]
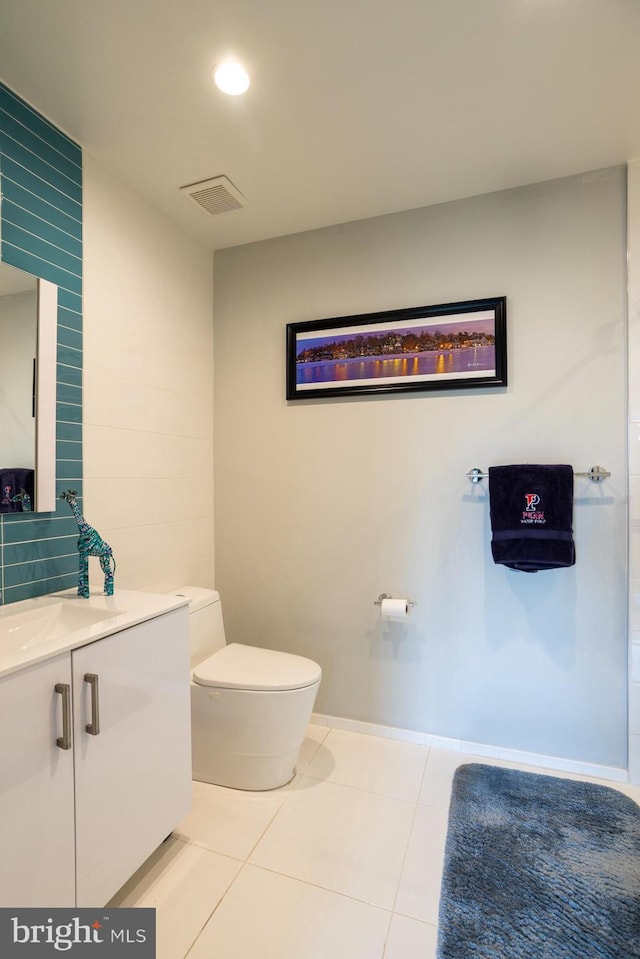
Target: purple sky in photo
[{"x": 472, "y": 326}]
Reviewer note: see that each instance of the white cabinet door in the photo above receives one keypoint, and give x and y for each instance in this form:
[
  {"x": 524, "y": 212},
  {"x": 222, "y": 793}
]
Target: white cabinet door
[
  {"x": 133, "y": 779},
  {"x": 37, "y": 864}
]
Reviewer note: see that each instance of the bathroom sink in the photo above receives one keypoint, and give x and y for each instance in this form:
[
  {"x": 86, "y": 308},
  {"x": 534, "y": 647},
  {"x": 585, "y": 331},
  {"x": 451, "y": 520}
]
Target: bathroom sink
[
  {"x": 47, "y": 622},
  {"x": 33, "y": 630}
]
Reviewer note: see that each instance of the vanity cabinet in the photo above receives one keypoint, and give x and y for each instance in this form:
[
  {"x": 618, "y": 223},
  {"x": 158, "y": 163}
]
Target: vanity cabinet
[
  {"x": 76, "y": 822},
  {"x": 37, "y": 860},
  {"x": 132, "y": 779}
]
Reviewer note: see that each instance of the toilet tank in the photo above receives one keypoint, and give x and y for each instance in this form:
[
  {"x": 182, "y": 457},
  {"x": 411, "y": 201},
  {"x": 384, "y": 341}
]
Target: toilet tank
[{"x": 206, "y": 626}]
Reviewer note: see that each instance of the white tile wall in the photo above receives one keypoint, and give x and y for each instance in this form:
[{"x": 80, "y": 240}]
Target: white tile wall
[
  {"x": 634, "y": 605},
  {"x": 148, "y": 389},
  {"x": 634, "y": 675},
  {"x": 634, "y": 758},
  {"x": 634, "y": 491},
  {"x": 634, "y": 708},
  {"x": 634, "y": 551}
]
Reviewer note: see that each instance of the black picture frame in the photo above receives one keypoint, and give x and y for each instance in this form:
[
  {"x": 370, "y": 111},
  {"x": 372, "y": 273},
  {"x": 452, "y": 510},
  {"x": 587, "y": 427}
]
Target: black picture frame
[{"x": 451, "y": 346}]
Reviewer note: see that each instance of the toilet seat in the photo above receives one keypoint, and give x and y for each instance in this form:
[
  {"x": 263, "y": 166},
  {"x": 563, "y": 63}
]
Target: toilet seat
[{"x": 250, "y": 667}]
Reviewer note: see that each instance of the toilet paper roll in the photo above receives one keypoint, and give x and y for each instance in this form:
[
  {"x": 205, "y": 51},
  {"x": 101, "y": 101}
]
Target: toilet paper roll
[{"x": 394, "y": 609}]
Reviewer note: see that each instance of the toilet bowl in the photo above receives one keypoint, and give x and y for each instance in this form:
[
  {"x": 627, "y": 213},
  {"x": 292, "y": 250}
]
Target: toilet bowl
[{"x": 250, "y": 707}]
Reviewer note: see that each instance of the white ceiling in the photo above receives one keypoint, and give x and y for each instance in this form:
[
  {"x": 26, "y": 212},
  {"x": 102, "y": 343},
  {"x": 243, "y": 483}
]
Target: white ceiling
[{"x": 357, "y": 107}]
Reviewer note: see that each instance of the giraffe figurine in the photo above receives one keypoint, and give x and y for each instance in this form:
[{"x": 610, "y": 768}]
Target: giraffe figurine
[{"x": 90, "y": 543}]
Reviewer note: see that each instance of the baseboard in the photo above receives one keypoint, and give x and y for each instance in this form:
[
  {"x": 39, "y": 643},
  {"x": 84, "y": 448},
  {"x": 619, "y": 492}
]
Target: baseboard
[{"x": 593, "y": 770}]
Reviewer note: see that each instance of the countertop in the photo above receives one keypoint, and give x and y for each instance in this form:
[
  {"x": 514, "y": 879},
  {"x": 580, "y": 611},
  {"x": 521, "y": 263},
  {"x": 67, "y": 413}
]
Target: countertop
[{"x": 38, "y": 629}]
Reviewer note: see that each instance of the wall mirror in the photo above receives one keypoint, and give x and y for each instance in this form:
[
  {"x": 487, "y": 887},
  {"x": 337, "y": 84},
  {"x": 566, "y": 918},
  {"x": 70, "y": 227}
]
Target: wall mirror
[{"x": 28, "y": 333}]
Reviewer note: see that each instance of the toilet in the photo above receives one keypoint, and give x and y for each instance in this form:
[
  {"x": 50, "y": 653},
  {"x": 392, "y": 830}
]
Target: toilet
[{"x": 250, "y": 707}]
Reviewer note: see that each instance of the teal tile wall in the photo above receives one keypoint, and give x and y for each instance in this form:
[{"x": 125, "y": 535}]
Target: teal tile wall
[{"x": 41, "y": 231}]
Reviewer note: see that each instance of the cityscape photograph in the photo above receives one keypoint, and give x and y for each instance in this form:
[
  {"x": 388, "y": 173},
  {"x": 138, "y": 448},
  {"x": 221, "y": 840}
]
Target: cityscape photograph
[{"x": 463, "y": 346}]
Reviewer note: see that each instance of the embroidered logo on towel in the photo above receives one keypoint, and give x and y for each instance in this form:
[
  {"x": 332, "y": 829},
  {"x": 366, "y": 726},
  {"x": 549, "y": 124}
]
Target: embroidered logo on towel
[{"x": 531, "y": 513}]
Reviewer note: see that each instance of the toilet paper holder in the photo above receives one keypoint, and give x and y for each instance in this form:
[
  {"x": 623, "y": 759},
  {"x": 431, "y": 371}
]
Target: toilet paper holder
[{"x": 378, "y": 601}]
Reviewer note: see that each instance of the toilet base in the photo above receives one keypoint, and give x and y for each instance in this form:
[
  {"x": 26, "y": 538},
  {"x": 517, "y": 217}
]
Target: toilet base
[
  {"x": 248, "y": 739},
  {"x": 249, "y": 774}
]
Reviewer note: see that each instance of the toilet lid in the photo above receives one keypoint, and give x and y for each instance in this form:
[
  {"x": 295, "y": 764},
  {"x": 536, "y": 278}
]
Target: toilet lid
[{"x": 249, "y": 667}]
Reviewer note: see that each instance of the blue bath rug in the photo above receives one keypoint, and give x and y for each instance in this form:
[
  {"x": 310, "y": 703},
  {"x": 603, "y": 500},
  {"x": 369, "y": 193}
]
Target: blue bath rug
[{"x": 538, "y": 867}]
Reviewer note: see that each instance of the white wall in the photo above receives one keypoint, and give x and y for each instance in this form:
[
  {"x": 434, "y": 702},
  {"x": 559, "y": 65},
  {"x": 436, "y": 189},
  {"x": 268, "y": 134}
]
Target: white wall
[
  {"x": 322, "y": 505},
  {"x": 634, "y": 469},
  {"x": 148, "y": 389},
  {"x": 18, "y": 328}
]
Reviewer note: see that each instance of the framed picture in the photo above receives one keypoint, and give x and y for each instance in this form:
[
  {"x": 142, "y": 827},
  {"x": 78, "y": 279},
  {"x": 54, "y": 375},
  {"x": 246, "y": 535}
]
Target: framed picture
[{"x": 453, "y": 346}]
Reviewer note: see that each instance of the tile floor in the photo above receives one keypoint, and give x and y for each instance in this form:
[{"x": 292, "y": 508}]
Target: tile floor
[{"x": 343, "y": 863}]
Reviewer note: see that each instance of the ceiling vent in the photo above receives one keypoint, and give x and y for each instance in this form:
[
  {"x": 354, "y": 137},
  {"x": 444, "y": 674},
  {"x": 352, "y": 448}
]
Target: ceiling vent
[{"x": 216, "y": 196}]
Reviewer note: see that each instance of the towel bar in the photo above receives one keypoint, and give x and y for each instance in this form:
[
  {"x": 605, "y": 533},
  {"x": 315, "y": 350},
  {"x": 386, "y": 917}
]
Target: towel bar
[{"x": 595, "y": 474}]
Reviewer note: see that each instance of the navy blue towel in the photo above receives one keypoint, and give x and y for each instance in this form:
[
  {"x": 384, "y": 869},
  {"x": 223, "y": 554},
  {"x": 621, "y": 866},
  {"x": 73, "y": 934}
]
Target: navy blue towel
[
  {"x": 532, "y": 516},
  {"x": 13, "y": 482}
]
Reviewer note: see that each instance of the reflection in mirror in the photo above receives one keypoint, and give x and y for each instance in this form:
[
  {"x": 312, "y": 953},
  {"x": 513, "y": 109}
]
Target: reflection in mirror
[
  {"x": 28, "y": 324},
  {"x": 18, "y": 336}
]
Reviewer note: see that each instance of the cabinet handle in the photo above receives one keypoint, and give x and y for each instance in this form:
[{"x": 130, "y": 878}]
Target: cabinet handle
[
  {"x": 93, "y": 728},
  {"x": 64, "y": 741}
]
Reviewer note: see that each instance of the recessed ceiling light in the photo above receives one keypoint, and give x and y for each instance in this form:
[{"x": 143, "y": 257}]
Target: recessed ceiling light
[{"x": 231, "y": 77}]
